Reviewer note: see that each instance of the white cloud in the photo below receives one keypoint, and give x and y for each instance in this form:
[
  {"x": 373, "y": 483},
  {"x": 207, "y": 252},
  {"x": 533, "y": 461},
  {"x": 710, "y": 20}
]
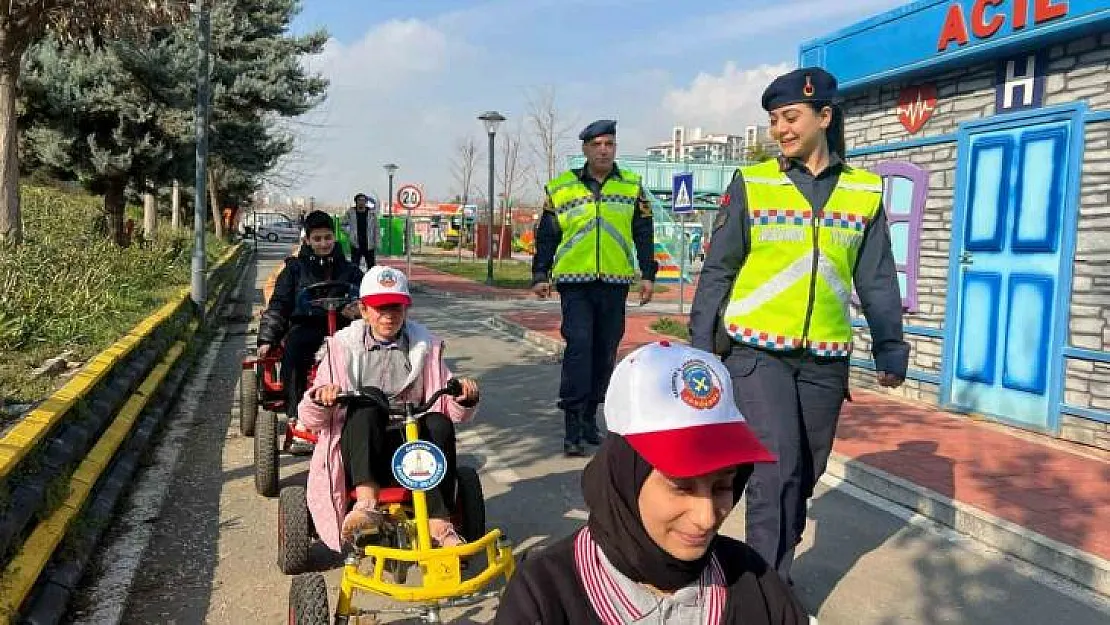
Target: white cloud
[{"x": 725, "y": 102}]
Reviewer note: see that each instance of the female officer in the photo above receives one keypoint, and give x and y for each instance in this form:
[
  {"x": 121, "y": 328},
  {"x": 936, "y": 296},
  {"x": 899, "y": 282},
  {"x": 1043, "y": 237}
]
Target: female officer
[{"x": 792, "y": 238}]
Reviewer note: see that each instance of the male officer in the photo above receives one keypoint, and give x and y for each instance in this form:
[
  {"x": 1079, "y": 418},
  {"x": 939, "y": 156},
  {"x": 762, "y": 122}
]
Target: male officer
[
  {"x": 362, "y": 230},
  {"x": 774, "y": 298},
  {"x": 593, "y": 217}
]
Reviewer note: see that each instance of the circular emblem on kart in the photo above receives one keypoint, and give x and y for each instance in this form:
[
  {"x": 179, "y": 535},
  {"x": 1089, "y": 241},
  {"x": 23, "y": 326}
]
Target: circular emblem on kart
[
  {"x": 387, "y": 279},
  {"x": 419, "y": 465}
]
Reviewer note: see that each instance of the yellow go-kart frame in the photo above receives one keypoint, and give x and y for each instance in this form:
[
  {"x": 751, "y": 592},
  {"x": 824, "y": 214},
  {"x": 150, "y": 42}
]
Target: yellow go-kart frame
[{"x": 441, "y": 583}]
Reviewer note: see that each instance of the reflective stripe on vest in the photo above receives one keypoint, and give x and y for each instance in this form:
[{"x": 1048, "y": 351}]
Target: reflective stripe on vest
[
  {"x": 795, "y": 288},
  {"x": 596, "y": 233}
]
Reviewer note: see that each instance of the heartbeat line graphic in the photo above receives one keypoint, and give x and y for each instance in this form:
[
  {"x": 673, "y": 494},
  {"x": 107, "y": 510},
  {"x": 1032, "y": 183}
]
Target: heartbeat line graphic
[{"x": 916, "y": 111}]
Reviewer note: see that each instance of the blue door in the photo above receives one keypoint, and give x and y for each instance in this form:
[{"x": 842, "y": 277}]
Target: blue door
[{"x": 1007, "y": 250}]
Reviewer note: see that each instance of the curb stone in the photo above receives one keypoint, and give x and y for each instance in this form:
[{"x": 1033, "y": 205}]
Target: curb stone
[{"x": 1075, "y": 565}]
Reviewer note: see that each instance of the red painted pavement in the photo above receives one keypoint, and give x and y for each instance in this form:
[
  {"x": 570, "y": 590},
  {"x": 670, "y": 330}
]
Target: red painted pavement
[
  {"x": 443, "y": 281},
  {"x": 1042, "y": 486}
]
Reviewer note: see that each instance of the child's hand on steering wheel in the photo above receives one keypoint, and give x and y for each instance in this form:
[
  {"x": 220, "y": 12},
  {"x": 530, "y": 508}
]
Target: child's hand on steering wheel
[
  {"x": 470, "y": 390},
  {"x": 326, "y": 394}
]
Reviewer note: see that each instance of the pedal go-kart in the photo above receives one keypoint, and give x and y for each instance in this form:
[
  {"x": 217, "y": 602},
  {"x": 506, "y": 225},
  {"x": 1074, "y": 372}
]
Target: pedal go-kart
[
  {"x": 404, "y": 539},
  {"x": 261, "y": 386}
]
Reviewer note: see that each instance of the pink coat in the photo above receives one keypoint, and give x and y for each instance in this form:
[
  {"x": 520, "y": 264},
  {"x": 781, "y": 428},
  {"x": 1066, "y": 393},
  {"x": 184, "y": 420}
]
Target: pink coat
[{"x": 327, "y": 488}]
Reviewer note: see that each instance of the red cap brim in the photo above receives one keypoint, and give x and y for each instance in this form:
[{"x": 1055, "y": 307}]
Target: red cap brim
[
  {"x": 386, "y": 299},
  {"x": 700, "y": 449}
]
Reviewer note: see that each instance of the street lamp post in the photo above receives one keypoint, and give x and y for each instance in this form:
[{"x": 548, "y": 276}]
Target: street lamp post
[
  {"x": 492, "y": 119},
  {"x": 200, "y": 202},
  {"x": 390, "y": 168}
]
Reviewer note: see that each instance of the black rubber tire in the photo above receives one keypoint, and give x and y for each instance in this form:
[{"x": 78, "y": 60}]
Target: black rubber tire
[
  {"x": 470, "y": 504},
  {"x": 308, "y": 600},
  {"x": 248, "y": 402},
  {"x": 294, "y": 531},
  {"x": 266, "y": 456}
]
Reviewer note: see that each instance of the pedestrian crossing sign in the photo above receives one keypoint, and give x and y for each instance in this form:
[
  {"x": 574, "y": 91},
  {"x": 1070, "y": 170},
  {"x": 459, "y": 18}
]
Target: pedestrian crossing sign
[{"x": 682, "y": 193}]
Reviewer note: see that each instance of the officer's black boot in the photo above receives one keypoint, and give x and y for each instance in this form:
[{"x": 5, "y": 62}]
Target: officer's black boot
[
  {"x": 572, "y": 441},
  {"x": 590, "y": 432}
]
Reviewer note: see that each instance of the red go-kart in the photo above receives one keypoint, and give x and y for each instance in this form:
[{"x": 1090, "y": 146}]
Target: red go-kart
[{"x": 261, "y": 386}]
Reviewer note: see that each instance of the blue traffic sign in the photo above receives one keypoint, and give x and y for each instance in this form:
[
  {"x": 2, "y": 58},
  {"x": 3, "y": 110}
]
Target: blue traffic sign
[{"x": 682, "y": 193}]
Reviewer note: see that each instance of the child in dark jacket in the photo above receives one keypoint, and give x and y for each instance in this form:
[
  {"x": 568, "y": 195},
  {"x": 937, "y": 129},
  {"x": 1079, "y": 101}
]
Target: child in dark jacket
[{"x": 289, "y": 315}]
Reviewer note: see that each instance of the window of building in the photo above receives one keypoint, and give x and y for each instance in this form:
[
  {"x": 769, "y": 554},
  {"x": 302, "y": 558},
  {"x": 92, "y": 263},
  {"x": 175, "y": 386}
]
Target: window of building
[{"x": 905, "y": 187}]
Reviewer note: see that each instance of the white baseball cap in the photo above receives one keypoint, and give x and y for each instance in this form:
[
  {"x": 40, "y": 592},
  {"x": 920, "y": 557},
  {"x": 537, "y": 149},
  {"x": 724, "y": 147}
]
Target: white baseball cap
[
  {"x": 383, "y": 285},
  {"x": 674, "y": 406}
]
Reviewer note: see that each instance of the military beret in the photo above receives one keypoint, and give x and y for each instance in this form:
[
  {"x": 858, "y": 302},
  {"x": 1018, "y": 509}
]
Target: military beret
[
  {"x": 598, "y": 128},
  {"x": 808, "y": 84}
]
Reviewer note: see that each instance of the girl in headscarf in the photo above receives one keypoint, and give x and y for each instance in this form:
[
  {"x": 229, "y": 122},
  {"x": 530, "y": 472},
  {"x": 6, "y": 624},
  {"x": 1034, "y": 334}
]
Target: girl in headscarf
[{"x": 674, "y": 465}]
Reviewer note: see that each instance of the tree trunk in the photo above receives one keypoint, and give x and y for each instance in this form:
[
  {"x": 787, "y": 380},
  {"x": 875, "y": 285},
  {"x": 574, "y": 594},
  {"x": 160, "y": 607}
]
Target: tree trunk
[
  {"x": 214, "y": 200},
  {"x": 115, "y": 200},
  {"x": 11, "y": 220},
  {"x": 150, "y": 213},
  {"x": 175, "y": 206}
]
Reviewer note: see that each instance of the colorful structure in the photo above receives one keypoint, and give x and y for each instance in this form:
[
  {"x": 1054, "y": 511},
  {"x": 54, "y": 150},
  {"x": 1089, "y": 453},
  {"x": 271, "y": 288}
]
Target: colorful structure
[{"x": 990, "y": 122}]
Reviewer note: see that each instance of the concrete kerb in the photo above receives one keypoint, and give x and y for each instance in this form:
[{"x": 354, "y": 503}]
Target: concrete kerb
[
  {"x": 417, "y": 287},
  {"x": 1041, "y": 551},
  {"x": 66, "y": 567},
  {"x": 536, "y": 339},
  {"x": 1073, "y": 564}
]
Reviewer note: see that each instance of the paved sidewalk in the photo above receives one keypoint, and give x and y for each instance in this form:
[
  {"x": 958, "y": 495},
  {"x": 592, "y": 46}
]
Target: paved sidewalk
[{"x": 1042, "y": 500}]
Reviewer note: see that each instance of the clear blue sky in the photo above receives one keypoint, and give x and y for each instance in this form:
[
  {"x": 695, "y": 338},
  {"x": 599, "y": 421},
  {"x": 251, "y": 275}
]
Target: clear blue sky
[{"x": 409, "y": 77}]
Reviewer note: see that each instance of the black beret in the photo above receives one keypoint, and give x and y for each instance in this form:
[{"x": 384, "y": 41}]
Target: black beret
[
  {"x": 598, "y": 128},
  {"x": 808, "y": 84}
]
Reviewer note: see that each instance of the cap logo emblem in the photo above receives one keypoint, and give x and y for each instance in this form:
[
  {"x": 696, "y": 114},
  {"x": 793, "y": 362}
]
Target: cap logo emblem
[
  {"x": 387, "y": 279},
  {"x": 808, "y": 90},
  {"x": 696, "y": 385}
]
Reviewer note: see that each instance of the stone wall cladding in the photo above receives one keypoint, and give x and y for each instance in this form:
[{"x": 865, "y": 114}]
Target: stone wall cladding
[{"x": 1076, "y": 70}]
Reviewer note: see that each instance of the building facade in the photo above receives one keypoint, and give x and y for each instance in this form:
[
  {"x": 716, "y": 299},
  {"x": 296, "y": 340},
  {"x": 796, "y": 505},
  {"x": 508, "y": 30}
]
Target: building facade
[
  {"x": 990, "y": 124},
  {"x": 698, "y": 147}
]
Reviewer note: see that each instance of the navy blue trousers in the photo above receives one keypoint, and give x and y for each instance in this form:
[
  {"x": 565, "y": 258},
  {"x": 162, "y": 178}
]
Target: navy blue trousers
[
  {"x": 792, "y": 402},
  {"x": 593, "y": 326}
]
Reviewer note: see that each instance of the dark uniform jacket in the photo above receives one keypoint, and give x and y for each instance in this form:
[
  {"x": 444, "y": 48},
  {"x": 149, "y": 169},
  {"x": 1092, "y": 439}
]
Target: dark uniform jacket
[
  {"x": 549, "y": 235},
  {"x": 874, "y": 276},
  {"x": 547, "y": 589},
  {"x": 288, "y": 304}
]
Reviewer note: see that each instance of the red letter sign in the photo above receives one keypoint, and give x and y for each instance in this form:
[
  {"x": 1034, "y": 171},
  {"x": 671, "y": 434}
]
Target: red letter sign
[
  {"x": 1045, "y": 10},
  {"x": 954, "y": 28},
  {"x": 981, "y": 28}
]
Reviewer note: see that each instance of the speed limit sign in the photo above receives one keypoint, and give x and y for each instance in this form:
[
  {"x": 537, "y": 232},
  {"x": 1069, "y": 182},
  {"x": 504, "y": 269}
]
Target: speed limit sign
[{"x": 410, "y": 196}]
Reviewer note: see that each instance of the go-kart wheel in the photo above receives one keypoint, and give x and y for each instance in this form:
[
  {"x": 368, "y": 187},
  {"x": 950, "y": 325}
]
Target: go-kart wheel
[
  {"x": 294, "y": 531},
  {"x": 266, "y": 456},
  {"x": 470, "y": 504},
  {"x": 248, "y": 402},
  {"x": 308, "y": 600}
]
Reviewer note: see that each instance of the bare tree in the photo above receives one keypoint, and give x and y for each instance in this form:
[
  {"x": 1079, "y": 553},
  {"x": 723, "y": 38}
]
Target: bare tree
[
  {"x": 513, "y": 169},
  {"x": 466, "y": 160},
  {"x": 550, "y": 132}
]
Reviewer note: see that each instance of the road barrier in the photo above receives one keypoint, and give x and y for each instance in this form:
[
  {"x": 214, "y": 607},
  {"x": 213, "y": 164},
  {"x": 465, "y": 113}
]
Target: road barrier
[{"x": 83, "y": 444}]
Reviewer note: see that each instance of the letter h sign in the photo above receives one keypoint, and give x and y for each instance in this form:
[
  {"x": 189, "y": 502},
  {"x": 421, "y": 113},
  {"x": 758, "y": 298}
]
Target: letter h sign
[{"x": 1019, "y": 83}]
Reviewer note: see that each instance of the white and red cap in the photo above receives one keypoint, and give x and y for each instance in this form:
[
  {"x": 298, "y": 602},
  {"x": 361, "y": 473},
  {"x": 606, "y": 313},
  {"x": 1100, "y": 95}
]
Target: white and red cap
[
  {"x": 383, "y": 285},
  {"x": 674, "y": 406}
]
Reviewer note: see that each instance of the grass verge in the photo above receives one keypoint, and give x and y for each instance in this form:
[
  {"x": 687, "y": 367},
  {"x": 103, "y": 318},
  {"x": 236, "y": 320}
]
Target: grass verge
[
  {"x": 671, "y": 327},
  {"x": 508, "y": 274},
  {"x": 67, "y": 288}
]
